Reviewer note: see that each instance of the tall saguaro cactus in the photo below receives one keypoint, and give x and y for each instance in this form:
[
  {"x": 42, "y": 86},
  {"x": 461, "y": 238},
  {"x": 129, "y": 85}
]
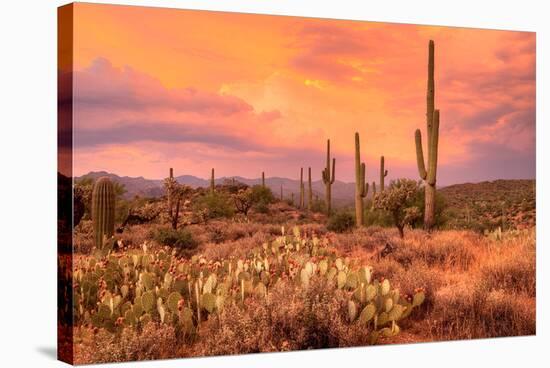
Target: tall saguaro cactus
[
  {"x": 309, "y": 189},
  {"x": 212, "y": 182},
  {"x": 169, "y": 194},
  {"x": 361, "y": 188},
  {"x": 281, "y": 192},
  {"x": 383, "y": 173},
  {"x": 328, "y": 179},
  {"x": 301, "y": 187},
  {"x": 432, "y": 125},
  {"x": 103, "y": 210},
  {"x": 263, "y": 180}
]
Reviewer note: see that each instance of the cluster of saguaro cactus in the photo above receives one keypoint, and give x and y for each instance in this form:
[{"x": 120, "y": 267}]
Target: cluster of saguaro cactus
[
  {"x": 103, "y": 210},
  {"x": 432, "y": 125},
  {"x": 328, "y": 179},
  {"x": 144, "y": 285},
  {"x": 361, "y": 187},
  {"x": 383, "y": 173}
]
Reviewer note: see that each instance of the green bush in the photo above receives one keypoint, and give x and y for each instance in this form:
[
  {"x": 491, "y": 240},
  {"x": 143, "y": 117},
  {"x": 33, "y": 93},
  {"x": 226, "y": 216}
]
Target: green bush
[
  {"x": 318, "y": 205},
  {"x": 376, "y": 217},
  {"x": 181, "y": 240},
  {"x": 215, "y": 205},
  {"x": 261, "y": 198},
  {"x": 341, "y": 222}
]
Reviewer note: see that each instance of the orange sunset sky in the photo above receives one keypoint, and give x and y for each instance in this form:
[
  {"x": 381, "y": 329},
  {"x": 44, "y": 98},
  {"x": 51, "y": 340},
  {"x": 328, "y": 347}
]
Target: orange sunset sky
[{"x": 158, "y": 88}]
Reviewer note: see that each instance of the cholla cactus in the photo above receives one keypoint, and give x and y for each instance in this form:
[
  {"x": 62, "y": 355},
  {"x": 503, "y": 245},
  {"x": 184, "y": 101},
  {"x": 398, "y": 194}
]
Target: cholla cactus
[
  {"x": 103, "y": 210},
  {"x": 397, "y": 201},
  {"x": 328, "y": 179}
]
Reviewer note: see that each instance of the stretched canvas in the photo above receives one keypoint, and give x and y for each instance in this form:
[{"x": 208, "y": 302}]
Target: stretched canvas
[{"x": 240, "y": 183}]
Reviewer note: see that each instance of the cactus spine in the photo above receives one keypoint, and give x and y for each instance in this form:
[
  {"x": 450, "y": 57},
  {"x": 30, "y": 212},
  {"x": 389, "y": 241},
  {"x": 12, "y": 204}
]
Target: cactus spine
[
  {"x": 212, "y": 183},
  {"x": 361, "y": 188},
  {"x": 383, "y": 173},
  {"x": 432, "y": 123},
  {"x": 310, "y": 191},
  {"x": 328, "y": 179},
  {"x": 301, "y": 187},
  {"x": 103, "y": 210}
]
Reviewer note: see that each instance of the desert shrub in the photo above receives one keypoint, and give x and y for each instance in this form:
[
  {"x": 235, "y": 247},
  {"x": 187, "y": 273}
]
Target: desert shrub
[
  {"x": 289, "y": 320},
  {"x": 214, "y": 205},
  {"x": 468, "y": 310},
  {"x": 514, "y": 270},
  {"x": 181, "y": 240},
  {"x": 83, "y": 237},
  {"x": 155, "y": 341},
  {"x": 341, "y": 222},
  {"x": 261, "y": 198},
  {"x": 448, "y": 249},
  {"x": 374, "y": 217},
  {"x": 318, "y": 205}
]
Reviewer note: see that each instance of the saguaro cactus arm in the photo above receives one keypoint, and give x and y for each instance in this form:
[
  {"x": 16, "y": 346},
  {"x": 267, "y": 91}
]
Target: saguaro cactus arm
[
  {"x": 420, "y": 155},
  {"x": 434, "y": 142},
  {"x": 364, "y": 186}
]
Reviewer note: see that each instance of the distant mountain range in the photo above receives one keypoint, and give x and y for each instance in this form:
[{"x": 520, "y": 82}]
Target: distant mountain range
[{"x": 342, "y": 193}]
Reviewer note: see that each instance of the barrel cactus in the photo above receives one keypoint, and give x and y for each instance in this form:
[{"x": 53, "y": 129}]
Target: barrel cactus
[{"x": 103, "y": 210}]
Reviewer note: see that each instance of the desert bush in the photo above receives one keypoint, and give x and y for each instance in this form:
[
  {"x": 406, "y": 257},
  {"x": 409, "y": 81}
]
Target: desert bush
[
  {"x": 261, "y": 198},
  {"x": 155, "y": 341},
  {"x": 375, "y": 217},
  {"x": 288, "y": 320},
  {"x": 341, "y": 222},
  {"x": 318, "y": 205},
  {"x": 511, "y": 267},
  {"x": 181, "y": 240},
  {"x": 448, "y": 249},
  {"x": 214, "y": 205},
  {"x": 468, "y": 310}
]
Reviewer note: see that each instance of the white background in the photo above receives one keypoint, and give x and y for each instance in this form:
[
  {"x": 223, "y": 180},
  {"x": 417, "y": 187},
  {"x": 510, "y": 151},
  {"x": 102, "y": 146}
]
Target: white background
[{"x": 28, "y": 182}]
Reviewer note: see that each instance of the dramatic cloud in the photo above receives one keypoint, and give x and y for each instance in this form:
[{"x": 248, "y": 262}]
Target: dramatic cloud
[{"x": 250, "y": 93}]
